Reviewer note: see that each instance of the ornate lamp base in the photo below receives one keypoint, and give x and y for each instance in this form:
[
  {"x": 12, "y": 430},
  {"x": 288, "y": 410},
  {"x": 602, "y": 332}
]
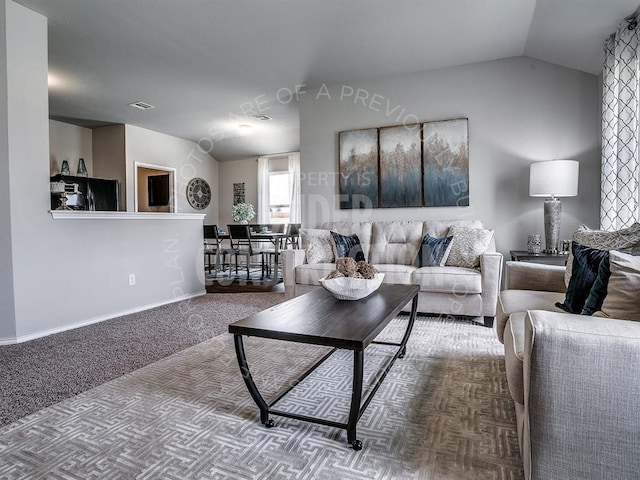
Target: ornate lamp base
[{"x": 552, "y": 210}]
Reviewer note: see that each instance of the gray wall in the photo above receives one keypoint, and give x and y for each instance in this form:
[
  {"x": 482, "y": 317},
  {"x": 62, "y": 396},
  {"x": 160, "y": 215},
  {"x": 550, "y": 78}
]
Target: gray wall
[
  {"x": 61, "y": 273},
  {"x": 520, "y": 111}
]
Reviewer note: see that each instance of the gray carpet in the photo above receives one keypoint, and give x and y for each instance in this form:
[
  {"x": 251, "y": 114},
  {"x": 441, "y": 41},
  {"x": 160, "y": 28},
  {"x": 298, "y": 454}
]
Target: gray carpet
[
  {"x": 443, "y": 413},
  {"x": 42, "y": 372}
]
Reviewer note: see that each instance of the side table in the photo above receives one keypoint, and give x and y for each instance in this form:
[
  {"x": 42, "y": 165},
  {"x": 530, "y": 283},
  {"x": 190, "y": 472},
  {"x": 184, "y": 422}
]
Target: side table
[{"x": 547, "y": 258}]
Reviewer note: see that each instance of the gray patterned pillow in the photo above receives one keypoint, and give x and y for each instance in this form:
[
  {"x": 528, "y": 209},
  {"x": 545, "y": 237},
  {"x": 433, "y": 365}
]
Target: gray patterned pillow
[
  {"x": 628, "y": 238},
  {"x": 317, "y": 245},
  {"x": 467, "y": 246}
]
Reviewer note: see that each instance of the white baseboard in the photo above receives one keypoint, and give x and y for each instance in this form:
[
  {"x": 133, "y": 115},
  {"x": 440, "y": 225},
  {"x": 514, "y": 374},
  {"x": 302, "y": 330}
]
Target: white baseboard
[{"x": 33, "y": 336}]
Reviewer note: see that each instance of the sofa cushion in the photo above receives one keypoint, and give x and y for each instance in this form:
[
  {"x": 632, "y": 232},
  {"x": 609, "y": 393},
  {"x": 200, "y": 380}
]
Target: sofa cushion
[
  {"x": 395, "y": 243},
  {"x": 362, "y": 229},
  {"x": 347, "y": 246},
  {"x": 604, "y": 240},
  {"x": 513, "y": 355},
  {"x": 456, "y": 280},
  {"x": 317, "y": 245},
  {"x": 585, "y": 270},
  {"x": 522, "y": 300},
  {"x": 396, "y": 273},
  {"x": 623, "y": 292},
  {"x": 310, "y": 273},
  {"x": 434, "y": 251},
  {"x": 467, "y": 246}
]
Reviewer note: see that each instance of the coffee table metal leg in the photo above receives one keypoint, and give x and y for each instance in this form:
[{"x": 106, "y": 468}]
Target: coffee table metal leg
[
  {"x": 251, "y": 386},
  {"x": 356, "y": 398},
  {"x": 407, "y": 333}
]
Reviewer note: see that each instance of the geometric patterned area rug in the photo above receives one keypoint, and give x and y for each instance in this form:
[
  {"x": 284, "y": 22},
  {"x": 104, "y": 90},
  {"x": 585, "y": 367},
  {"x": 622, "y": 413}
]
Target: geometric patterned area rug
[{"x": 443, "y": 412}]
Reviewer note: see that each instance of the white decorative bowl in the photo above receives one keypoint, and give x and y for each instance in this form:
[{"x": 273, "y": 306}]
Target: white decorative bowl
[{"x": 349, "y": 288}]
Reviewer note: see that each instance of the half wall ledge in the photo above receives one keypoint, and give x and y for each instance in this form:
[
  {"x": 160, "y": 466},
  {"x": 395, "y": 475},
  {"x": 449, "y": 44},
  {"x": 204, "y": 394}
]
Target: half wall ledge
[{"x": 85, "y": 215}]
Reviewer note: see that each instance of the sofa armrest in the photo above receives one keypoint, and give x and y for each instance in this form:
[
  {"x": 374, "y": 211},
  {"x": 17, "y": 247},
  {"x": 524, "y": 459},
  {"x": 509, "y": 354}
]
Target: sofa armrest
[
  {"x": 290, "y": 260},
  {"x": 534, "y": 276},
  {"x": 582, "y": 397},
  {"x": 491, "y": 269}
]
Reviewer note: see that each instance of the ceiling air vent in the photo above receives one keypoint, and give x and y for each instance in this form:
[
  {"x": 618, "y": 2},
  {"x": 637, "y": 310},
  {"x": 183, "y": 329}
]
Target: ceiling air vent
[
  {"x": 141, "y": 105},
  {"x": 263, "y": 117}
]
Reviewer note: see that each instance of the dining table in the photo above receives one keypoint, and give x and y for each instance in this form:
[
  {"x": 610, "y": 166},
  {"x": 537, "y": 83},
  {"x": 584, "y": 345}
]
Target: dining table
[{"x": 275, "y": 238}]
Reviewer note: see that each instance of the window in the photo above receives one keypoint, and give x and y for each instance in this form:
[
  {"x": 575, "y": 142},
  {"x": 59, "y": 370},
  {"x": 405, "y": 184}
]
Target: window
[{"x": 279, "y": 197}]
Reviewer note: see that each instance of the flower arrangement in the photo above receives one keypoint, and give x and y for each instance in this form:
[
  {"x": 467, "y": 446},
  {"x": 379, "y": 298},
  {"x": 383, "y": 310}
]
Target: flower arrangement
[{"x": 243, "y": 212}]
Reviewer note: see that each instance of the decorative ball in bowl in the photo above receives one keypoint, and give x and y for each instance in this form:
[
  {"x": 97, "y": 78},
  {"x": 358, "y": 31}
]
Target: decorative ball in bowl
[{"x": 352, "y": 288}]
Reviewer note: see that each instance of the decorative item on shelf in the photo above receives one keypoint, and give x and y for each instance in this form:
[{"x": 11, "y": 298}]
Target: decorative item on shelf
[
  {"x": 199, "y": 193},
  {"x": 534, "y": 243},
  {"x": 352, "y": 280},
  {"x": 63, "y": 189},
  {"x": 65, "y": 168},
  {"x": 553, "y": 178},
  {"x": 82, "y": 168},
  {"x": 243, "y": 212}
]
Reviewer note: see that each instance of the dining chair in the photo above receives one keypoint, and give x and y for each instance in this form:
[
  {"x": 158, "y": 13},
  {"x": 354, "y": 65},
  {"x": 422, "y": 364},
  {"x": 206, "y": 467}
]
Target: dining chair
[
  {"x": 240, "y": 237},
  {"x": 293, "y": 236},
  {"x": 213, "y": 247},
  {"x": 270, "y": 251}
]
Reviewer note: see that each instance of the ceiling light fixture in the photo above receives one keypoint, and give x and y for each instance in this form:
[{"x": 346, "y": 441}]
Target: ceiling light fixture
[
  {"x": 141, "y": 105},
  {"x": 262, "y": 117},
  {"x": 244, "y": 129}
]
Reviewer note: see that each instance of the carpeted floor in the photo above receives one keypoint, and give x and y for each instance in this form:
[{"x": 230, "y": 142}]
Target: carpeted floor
[
  {"x": 443, "y": 413},
  {"x": 42, "y": 372}
]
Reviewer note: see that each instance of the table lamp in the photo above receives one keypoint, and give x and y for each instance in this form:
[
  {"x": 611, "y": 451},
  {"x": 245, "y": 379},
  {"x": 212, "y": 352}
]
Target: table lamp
[{"x": 552, "y": 179}]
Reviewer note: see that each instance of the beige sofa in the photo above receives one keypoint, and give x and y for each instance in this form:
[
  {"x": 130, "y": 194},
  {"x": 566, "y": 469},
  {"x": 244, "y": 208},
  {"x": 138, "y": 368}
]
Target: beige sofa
[
  {"x": 573, "y": 378},
  {"x": 393, "y": 248}
]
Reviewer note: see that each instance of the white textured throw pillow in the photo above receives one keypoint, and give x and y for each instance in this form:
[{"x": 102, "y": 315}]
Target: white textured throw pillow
[
  {"x": 623, "y": 291},
  {"x": 467, "y": 246},
  {"x": 317, "y": 244}
]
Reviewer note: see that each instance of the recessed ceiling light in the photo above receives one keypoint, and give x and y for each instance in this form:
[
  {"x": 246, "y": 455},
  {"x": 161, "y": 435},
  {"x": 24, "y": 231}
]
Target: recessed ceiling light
[
  {"x": 263, "y": 117},
  {"x": 244, "y": 129},
  {"x": 141, "y": 105}
]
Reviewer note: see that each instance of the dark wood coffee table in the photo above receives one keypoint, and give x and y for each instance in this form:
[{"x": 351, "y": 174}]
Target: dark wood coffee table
[{"x": 318, "y": 318}]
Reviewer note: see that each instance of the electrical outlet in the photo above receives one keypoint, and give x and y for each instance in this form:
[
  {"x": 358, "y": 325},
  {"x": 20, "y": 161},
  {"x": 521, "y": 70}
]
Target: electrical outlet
[{"x": 132, "y": 279}]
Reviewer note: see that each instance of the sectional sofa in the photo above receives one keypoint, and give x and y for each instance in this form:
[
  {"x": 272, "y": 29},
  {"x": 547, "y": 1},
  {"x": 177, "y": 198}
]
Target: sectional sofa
[
  {"x": 393, "y": 248},
  {"x": 573, "y": 378}
]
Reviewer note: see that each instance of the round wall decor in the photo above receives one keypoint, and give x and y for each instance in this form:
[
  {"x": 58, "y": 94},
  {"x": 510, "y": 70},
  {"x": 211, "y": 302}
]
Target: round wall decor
[{"x": 198, "y": 193}]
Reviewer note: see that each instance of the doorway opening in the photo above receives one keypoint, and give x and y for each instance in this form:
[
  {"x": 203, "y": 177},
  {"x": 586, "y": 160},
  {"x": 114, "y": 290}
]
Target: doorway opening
[{"x": 155, "y": 188}]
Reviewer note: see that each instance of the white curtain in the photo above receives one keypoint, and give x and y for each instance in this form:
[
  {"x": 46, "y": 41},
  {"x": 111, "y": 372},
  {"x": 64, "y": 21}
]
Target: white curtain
[
  {"x": 620, "y": 174},
  {"x": 263, "y": 190},
  {"x": 294, "y": 182}
]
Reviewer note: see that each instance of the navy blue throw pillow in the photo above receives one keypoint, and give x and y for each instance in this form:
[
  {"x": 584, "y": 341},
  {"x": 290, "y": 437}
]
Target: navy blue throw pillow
[
  {"x": 598, "y": 291},
  {"x": 585, "y": 270},
  {"x": 434, "y": 251},
  {"x": 348, "y": 246}
]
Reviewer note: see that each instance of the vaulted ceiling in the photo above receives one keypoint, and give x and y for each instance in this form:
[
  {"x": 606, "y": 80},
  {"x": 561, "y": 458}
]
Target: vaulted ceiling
[{"x": 208, "y": 66}]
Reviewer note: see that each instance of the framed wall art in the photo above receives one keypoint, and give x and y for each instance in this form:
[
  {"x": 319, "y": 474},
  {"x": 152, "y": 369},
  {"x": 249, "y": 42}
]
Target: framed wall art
[
  {"x": 445, "y": 158},
  {"x": 358, "y": 168},
  {"x": 400, "y": 167}
]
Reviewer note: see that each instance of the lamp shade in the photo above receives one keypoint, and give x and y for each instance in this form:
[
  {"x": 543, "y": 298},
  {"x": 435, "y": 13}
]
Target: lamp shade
[{"x": 554, "y": 178}]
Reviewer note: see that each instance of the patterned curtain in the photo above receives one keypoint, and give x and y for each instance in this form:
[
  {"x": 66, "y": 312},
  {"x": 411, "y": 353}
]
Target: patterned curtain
[{"x": 620, "y": 175}]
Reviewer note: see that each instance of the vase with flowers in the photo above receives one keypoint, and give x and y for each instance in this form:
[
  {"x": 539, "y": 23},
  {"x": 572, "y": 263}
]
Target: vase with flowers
[{"x": 243, "y": 212}]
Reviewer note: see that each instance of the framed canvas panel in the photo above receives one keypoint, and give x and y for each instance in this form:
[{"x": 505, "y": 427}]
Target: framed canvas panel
[
  {"x": 445, "y": 160},
  {"x": 358, "y": 168},
  {"x": 400, "y": 166}
]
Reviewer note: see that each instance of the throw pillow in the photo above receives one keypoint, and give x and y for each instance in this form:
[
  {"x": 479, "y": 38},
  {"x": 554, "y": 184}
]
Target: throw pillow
[
  {"x": 603, "y": 240},
  {"x": 347, "y": 246},
  {"x": 434, "y": 251},
  {"x": 585, "y": 270},
  {"x": 623, "y": 294},
  {"x": 598, "y": 292},
  {"x": 317, "y": 245},
  {"x": 467, "y": 246}
]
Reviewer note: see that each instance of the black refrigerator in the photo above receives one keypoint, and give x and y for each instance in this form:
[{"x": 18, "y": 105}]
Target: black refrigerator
[{"x": 95, "y": 194}]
